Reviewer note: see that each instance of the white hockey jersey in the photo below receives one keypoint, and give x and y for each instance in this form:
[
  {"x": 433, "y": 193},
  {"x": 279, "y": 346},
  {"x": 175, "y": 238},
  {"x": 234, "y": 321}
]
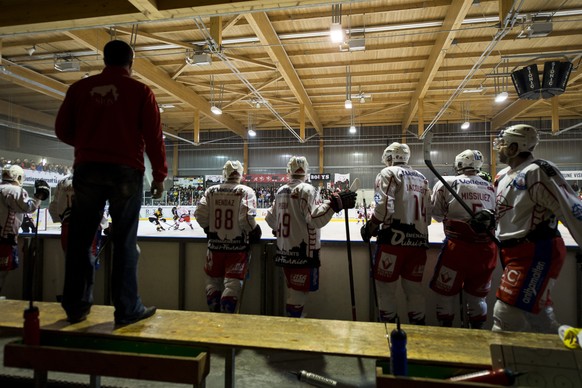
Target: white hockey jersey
[
  {"x": 476, "y": 192},
  {"x": 402, "y": 199},
  {"x": 14, "y": 203},
  {"x": 533, "y": 193},
  {"x": 297, "y": 220},
  {"x": 60, "y": 206},
  {"x": 228, "y": 210}
]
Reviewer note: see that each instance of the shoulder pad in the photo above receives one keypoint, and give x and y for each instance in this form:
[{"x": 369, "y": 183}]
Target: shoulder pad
[{"x": 546, "y": 167}]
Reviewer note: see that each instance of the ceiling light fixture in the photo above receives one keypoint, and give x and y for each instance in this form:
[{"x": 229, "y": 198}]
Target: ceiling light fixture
[
  {"x": 67, "y": 64},
  {"x": 336, "y": 33},
  {"x": 352, "y": 129},
  {"x": 198, "y": 58},
  {"x": 214, "y": 107},
  {"x": 501, "y": 96},
  {"x": 216, "y": 110},
  {"x": 465, "y": 111},
  {"x": 250, "y": 125},
  {"x": 500, "y": 82},
  {"x": 31, "y": 50}
]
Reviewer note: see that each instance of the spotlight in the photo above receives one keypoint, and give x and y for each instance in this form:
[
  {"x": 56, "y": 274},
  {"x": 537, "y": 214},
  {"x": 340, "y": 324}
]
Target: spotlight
[
  {"x": 348, "y": 104},
  {"x": 352, "y": 129},
  {"x": 252, "y": 133},
  {"x": 501, "y": 97},
  {"x": 465, "y": 125},
  {"x": 216, "y": 110},
  {"x": 336, "y": 33}
]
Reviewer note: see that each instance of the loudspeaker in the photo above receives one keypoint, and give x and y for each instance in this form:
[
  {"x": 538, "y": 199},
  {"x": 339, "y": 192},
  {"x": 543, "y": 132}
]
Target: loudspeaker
[
  {"x": 556, "y": 75},
  {"x": 527, "y": 82}
]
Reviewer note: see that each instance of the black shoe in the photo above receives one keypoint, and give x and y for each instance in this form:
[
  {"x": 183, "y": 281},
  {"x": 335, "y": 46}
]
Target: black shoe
[
  {"x": 147, "y": 312},
  {"x": 77, "y": 317}
]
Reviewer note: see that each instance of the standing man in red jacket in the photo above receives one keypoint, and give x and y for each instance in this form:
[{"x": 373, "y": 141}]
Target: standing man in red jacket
[{"x": 110, "y": 119}]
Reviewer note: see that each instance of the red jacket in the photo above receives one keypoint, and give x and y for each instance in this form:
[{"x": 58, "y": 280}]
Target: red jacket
[{"x": 110, "y": 118}]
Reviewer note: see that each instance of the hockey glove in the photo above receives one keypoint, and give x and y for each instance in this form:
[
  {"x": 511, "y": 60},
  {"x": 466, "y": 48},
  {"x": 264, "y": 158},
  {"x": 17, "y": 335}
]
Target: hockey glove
[
  {"x": 369, "y": 230},
  {"x": 343, "y": 200},
  {"x": 41, "y": 189},
  {"x": 255, "y": 235},
  {"x": 482, "y": 221}
]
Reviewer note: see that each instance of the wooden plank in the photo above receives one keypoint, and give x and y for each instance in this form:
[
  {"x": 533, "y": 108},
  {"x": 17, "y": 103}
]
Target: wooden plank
[
  {"x": 426, "y": 344},
  {"x": 185, "y": 370}
]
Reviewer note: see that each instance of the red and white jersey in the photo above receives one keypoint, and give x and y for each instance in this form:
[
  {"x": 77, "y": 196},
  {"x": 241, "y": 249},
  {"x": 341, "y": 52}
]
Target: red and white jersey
[
  {"x": 535, "y": 192},
  {"x": 476, "y": 192},
  {"x": 228, "y": 210},
  {"x": 60, "y": 206},
  {"x": 297, "y": 219},
  {"x": 402, "y": 200},
  {"x": 14, "y": 202}
]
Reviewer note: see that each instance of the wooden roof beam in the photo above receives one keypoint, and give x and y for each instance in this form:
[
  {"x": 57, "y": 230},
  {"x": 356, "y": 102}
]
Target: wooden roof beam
[
  {"x": 32, "y": 16},
  {"x": 264, "y": 30},
  {"x": 34, "y": 81},
  {"x": 96, "y": 39},
  {"x": 149, "y": 8},
  {"x": 455, "y": 16}
]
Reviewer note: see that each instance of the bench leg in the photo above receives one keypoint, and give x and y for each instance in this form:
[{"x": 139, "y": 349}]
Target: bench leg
[
  {"x": 229, "y": 369},
  {"x": 95, "y": 381},
  {"x": 40, "y": 378}
]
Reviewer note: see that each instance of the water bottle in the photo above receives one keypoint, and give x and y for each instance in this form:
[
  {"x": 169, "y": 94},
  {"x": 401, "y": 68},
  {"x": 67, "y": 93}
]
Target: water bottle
[
  {"x": 398, "y": 358},
  {"x": 31, "y": 326}
]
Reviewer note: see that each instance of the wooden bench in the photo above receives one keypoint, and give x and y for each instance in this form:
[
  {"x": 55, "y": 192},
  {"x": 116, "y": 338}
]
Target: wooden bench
[
  {"x": 426, "y": 344},
  {"x": 95, "y": 356}
]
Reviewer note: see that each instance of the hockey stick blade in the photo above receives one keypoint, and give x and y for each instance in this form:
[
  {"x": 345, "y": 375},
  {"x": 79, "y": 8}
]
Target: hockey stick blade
[{"x": 355, "y": 186}]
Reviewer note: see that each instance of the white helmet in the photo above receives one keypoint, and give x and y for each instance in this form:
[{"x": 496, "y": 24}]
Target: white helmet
[
  {"x": 524, "y": 135},
  {"x": 13, "y": 173},
  {"x": 469, "y": 159},
  {"x": 297, "y": 166},
  {"x": 396, "y": 153},
  {"x": 232, "y": 170}
]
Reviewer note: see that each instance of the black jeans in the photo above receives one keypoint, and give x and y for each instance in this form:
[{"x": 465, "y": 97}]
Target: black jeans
[{"x": 94, "y": 185}]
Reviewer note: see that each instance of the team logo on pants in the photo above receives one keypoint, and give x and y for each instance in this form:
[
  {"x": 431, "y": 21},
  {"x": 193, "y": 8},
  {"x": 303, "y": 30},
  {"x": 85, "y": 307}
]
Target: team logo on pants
[
  {"x": 446, "y": 279},
  {"x": 386, "y": 264}
]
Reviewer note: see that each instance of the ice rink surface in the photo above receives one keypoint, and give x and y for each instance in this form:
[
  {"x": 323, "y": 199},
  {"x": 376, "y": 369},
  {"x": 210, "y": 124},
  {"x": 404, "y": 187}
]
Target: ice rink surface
[{"x": 334, "y": 231}]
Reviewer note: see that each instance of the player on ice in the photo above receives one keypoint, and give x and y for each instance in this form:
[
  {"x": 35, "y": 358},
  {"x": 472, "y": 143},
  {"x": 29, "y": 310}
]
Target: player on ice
[{"x": 156, "y": 218}]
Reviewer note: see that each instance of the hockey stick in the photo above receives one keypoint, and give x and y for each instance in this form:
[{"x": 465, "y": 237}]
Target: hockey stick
[
  {"x": 353, "y": 188},
  {"x": 31, "y": 314},
  {"x": 371, "y": 254},
  {"x": 427, "y": 143},
  {"x": 242, "y": 290}
]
